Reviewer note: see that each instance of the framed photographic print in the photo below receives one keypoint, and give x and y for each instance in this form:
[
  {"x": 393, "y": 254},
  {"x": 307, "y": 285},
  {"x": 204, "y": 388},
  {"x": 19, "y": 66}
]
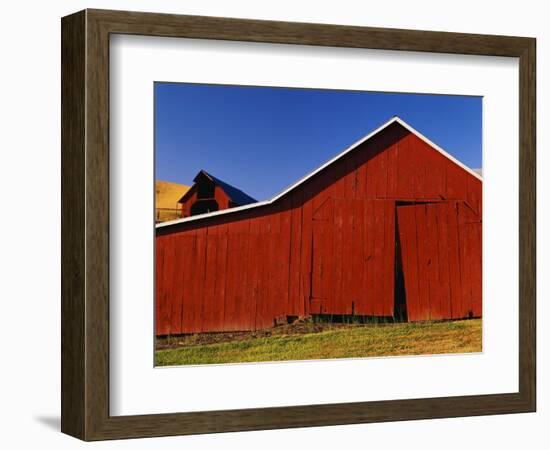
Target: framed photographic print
[{"x": 271, "y": 224}]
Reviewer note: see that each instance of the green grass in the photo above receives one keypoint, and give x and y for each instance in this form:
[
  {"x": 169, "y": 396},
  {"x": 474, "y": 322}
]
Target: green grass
[{"x": 349, "y": 342}]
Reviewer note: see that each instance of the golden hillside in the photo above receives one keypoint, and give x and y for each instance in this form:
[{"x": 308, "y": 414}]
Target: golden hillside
[{"x": 167, "y": 195}]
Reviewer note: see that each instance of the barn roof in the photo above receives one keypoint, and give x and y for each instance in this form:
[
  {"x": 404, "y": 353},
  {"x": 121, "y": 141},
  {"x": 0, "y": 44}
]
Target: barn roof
[{"x": 394, "y": 119}]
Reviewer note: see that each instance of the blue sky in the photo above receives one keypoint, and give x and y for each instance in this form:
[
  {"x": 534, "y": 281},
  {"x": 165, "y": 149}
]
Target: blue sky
[{"x": 263, "y": 139}]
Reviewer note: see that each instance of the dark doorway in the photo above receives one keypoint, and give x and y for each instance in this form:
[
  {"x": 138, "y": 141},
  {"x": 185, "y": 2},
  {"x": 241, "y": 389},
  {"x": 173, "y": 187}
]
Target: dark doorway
[
  {"x": 205, "y": 189},
  {"x": 400, "y": 297},
  {"x": 203, "y": 207}
]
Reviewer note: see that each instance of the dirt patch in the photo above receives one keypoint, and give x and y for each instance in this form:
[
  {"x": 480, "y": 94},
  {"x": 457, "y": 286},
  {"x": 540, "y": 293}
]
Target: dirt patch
[{"x": 298, "y": 327}]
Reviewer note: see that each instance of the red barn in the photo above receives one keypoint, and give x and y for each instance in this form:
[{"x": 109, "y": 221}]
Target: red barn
[
  {"x": 209, "y": 194},
  {"x": 390, "y": 227}
]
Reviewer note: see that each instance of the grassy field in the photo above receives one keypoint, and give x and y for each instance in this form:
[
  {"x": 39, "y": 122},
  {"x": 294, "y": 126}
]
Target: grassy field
[{"x": 353, "y": 341}]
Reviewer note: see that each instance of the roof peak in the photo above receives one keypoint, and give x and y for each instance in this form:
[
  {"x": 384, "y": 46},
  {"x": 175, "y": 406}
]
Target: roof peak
[
  {"x": 237, "y": 195},
  {"x": 393, "y": 119}
]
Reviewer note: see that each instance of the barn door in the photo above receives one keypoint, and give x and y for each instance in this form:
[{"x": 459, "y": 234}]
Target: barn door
[
  {"x": 441, "y": 260},
  {"x": 352, "y": 257}
]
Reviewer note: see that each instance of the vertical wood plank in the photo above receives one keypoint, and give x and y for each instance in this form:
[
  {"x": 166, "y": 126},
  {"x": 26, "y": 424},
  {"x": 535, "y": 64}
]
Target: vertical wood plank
[
  {"x": 295, "y": 306},
  {"x": 382, "y": 173},
  {"x": 473, "y": 197},
  {"x": 159, "y": 282},
  {"x": 378, "y": 258},
  {"x": 305, "y": 272},
  {"x": 210, "y": 303},
  {"x": 234, "y": 259},
  {"x": 406, "y": 216},
  {"x": 221, "y": 277},
  {"x": 274, "y": 281},
  {"x": 443, "y": 245},
  {"x": 263, "y": 318},
  {"x": 432, "y": 268},
  {"x": 177, "y": 295},
  {"x": 350, "y": 180},
  {"x": 476, "y": 231},
  {"x": 404, "y": 179},
  {"x": 421, "y": 242},
  {"x": 242, "y": 317},
  {"x": 349, "y": 247},
  {"x": 167, "y": 283},
  {"x": 188, "y": 253},
  {"x": 335, "y": 302},
  {"x": 253, "y": 269},
  {"x": 389, "y": 260},
  {"x": 285, "y": 255},
  {"x": 418, "y": 166},
  {"x": 362, "y": 178},
  {"x": 368, "y": 307},
  {"x": 455, "y": 270},
  {"x": 371, "y": 169},
  {"x": 456, "y": 183},
  {"x": 465, "y": 261},
  {"x": 198, "y": 280},
  {"x": 393, "y": 171},
  {"x": 357, "y": 257}
]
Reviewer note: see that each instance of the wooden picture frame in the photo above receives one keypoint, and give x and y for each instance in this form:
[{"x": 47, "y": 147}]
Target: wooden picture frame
[{"x": 85, "y": 224}]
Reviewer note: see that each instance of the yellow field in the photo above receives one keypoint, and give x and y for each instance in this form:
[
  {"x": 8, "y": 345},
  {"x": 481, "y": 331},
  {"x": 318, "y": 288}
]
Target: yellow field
[{"x": 167, "y": 195}]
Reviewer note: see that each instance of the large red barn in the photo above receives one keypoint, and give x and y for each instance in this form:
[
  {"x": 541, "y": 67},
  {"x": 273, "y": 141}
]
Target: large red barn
[{"x": 391, "y": 227}]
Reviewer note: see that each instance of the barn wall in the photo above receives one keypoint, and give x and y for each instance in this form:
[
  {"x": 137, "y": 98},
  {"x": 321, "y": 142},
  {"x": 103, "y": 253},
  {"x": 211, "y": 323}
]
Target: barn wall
[
  {"x": 326, "y": 247},
  {"x": 219, "y": 195},
  {"x": 186, "y": 205}
]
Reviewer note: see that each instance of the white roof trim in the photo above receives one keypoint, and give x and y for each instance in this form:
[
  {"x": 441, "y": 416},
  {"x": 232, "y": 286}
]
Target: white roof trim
[
  {"x": 439, "y": 149},
  {"x": 328, "y": 163}
]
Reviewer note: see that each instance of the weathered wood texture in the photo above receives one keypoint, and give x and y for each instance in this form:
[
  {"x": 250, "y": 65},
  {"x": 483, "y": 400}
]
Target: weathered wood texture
[
  {"x": 221, "y": 198},
  {"x": 328, "y": 246},
  {"x": 73, "y": 257},
  {"x": 441, "y": 251}
]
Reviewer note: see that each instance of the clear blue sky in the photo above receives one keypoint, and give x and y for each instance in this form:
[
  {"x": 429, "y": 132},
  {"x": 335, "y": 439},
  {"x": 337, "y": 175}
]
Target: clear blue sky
[{"x": 263, "y": 139}]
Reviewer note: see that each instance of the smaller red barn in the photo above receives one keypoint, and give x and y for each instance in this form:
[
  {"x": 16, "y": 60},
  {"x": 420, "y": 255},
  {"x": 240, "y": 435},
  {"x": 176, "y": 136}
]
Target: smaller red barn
[{"x": 210, "y": 194}]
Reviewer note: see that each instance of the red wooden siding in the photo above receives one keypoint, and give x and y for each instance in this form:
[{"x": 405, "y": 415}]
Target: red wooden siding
[
  {"x": 347, "y": 250},
  {"x": 328, "y": 246},
  {"x": 441, "y": 251},
  {"x": 219, "y": 195}
]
